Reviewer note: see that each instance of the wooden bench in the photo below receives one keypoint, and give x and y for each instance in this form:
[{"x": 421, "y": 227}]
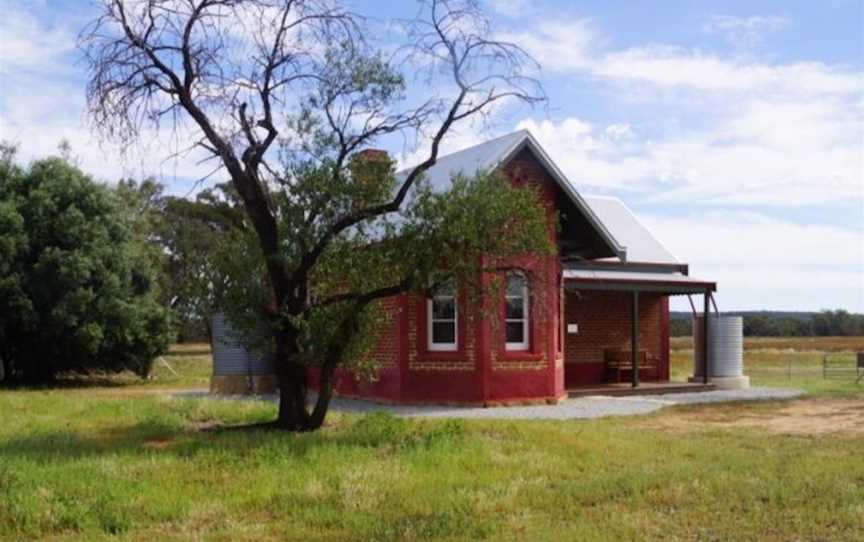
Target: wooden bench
[{"x": 617, "y": 360}]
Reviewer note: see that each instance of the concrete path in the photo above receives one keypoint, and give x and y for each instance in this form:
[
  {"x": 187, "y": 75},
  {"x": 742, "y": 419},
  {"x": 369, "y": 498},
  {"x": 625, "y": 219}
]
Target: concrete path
[{"x": 580, "y": 408}]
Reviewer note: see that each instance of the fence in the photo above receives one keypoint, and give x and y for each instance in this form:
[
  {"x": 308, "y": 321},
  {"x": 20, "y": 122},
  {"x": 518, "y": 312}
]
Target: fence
[
  {"x": 830, "y": 366},
  {"x": 840, "y": 366}
]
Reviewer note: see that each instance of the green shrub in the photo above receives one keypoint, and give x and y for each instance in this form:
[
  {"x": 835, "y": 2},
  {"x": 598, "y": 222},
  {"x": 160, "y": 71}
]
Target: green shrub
[{"x": 75, "y": 287}]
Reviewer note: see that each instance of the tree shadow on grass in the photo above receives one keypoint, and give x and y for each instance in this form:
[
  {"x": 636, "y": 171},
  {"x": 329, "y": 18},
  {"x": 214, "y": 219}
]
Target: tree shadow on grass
[
  {"x": 76, "y": 382},
  {"x": 64, "y": 445},
  {"x": 376, "y": 430}
]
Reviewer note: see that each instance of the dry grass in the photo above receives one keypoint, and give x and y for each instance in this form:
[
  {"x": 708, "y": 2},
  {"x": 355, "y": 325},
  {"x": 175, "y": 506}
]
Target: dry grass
[
  {"x": 787, "y": 362},
  {"x": 809, "y": 417},
  {"x": 796, "y": 344}
]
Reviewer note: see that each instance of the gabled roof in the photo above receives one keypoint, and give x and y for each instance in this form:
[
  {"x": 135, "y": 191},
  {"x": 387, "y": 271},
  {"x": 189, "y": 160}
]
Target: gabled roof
[
  {"x": 494, "y": 153},
  {"x": 641, "y": 244}
]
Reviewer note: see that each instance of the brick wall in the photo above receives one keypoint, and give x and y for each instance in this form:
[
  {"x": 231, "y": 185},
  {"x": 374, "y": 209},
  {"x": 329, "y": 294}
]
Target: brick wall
[
  {"x": 482, "y": 370},
  {"x": 386, "y": 349},
  {"x": 604, "y": 322},
  {"x": 386, "y": 352}
]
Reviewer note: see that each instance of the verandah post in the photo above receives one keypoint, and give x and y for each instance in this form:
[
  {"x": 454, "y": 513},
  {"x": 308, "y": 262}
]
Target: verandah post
[
  {"x": 634, "y": 337},
  {"x": 705, "y": 363}
]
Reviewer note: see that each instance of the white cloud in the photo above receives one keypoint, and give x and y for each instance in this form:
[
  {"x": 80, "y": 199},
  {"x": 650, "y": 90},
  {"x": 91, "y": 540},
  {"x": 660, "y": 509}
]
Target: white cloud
[
  {"x": 508, "y": 8},
  {"x": 744, "y": 31},
  {"x": 798, "y": 153},
  {"x": 669, "y": 67},
  {"x": 605, "y": 158},
  {"x": 29, "y": 45},
  {"x": 762, "y": 262},
  {"x": 42, "y": 103},
  {"x": 557, "y": 46}
]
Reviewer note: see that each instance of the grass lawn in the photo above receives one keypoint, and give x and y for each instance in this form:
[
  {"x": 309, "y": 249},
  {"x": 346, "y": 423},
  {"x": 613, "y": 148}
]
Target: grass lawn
[{"x": 115, "y": 458}]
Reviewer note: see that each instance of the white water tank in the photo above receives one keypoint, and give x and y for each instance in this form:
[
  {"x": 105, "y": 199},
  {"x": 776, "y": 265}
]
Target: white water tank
[
  {"x": 236, "y": 370},
  {"x": 725, "y": 349}
]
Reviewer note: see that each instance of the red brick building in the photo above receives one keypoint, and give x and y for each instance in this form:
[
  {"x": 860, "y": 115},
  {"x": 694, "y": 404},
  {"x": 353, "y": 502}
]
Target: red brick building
[{"x": 568, "y": 321}]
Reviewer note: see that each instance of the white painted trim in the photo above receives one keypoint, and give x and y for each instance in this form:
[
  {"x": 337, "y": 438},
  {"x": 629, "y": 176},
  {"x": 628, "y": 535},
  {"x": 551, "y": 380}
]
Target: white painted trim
[
  {"x": 525, "y": 343},
  {"x": 442, "y": 347}
]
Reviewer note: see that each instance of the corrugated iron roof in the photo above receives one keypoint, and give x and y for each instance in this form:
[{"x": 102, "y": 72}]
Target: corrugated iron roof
[
  {"x": 674, "y": 282},
  {"x": 489, "y": 155},
  {"x": 641, "y": 244}
]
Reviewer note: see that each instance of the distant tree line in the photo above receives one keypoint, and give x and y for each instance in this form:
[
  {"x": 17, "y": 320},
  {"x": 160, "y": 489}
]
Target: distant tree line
[{"x": 827, "y": 323}]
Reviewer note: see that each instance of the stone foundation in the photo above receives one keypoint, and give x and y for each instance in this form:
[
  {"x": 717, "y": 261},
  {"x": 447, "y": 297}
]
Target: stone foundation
[{"x": 243, "y": 384}]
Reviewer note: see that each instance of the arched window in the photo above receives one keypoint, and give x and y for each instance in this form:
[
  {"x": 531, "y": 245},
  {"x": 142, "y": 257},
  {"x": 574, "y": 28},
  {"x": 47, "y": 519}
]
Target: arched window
[
  {"x": 516, "y": 312},
  {"x": 442, "y": 317}
]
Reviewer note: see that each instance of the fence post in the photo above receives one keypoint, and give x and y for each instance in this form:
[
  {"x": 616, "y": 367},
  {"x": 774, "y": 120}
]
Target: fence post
[{"x": 789, "y": 370}]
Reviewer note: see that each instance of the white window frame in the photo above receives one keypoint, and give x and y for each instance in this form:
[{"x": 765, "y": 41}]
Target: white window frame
[
  {"x": 430, "y": 324},
  {"x": 525, "y": 343}
]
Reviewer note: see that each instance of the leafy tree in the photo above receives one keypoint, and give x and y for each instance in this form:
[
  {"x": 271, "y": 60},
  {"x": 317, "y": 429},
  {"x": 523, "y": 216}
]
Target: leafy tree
[
  {"x": 75, "y": 291},
  {"x": 181, "y": 238},
  {"x": 192, "y": 235},
  {"x": 142, "y": 207},
  {"x": 288, "y": 96}
]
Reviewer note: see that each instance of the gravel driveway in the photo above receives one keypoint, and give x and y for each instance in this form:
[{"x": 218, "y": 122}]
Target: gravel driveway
[{"x": 579, "y": 408}]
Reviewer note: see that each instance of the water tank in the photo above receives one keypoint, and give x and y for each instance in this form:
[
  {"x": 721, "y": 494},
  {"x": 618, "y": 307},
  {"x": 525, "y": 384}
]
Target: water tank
[
  {"x": 230, "y": 357},
  {"x": 725, "y": 346}
]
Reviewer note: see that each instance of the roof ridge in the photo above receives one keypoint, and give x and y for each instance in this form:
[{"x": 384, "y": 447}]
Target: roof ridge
[
  {"x": 598, "y": 196},
  {"x": 487, "y": 142}
]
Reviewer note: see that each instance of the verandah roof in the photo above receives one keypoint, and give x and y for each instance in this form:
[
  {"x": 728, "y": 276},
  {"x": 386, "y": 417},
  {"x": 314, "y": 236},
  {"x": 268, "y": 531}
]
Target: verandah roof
[{"x": 668, "y": 283}]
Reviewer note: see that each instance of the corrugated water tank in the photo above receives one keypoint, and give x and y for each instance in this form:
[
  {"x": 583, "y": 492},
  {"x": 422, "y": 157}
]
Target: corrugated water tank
[
  {"x": 725, "y": 346},
  {"x": 230, "y": 357}
]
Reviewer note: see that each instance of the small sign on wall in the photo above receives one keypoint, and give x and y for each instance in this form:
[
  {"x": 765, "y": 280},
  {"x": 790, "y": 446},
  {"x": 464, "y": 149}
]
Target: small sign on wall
[{"x": 572, "y": 329}]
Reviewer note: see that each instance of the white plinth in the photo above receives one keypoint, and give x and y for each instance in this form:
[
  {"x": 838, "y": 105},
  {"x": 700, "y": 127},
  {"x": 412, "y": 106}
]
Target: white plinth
[{"x": 725, "y": 382}]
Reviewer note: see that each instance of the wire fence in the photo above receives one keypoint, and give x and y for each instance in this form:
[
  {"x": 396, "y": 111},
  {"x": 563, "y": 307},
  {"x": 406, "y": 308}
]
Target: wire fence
[{"x": 830, "y": 366}]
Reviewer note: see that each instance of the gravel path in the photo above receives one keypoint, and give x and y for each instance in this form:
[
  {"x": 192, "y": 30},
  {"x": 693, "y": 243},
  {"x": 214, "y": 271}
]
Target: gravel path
[{"x": 579, "y": 408}]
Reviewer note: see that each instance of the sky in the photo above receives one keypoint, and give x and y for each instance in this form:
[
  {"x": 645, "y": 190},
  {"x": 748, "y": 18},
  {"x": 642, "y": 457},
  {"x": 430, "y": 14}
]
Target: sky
[{"x": 734, "y": 129}]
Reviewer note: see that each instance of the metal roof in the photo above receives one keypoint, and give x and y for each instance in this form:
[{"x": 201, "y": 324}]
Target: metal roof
[
  {"x": 483, "y": 157},
  {"x": 640, "y": 243},
  {"x": 496, "y": 152},
  {"x": 673, "y": 283}
]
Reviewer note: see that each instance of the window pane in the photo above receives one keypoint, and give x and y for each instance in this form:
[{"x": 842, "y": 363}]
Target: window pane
[
  {"x": 515, "y": 308},
  {"x": 444, "y": 332},
  {"x": 444, "y": 308},
  {"x": 515, "y": 332},
  {"x": 515, "y": 285}
]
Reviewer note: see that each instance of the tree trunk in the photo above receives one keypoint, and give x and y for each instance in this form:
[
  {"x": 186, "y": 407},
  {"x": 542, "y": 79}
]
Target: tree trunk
[
  {"x": 208, "y": 328},
  {"x": 325, "y": 393},
  {"x": 293, "y": 415}
]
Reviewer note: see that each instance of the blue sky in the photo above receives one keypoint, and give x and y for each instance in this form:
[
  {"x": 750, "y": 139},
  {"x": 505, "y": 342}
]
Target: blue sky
[{"x": 734, "y": 129}]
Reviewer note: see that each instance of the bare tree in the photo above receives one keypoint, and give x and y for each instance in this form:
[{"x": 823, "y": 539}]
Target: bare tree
[{"x": 281, "y": 91}]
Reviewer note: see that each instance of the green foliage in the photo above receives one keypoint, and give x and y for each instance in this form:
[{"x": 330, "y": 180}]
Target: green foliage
[
  {"x": 182, "y": 239},
  {"x": 191, "y": 234},
  {"x": 463, "y": 230},
  {"x": 76, "y": 292}
]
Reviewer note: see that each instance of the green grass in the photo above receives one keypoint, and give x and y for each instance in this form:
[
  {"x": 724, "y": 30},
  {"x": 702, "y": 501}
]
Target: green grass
[
  {"x": 790, "y": 362},
  {"x": 184, "y": 366},
  {"x": 90, "y": 463}
]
